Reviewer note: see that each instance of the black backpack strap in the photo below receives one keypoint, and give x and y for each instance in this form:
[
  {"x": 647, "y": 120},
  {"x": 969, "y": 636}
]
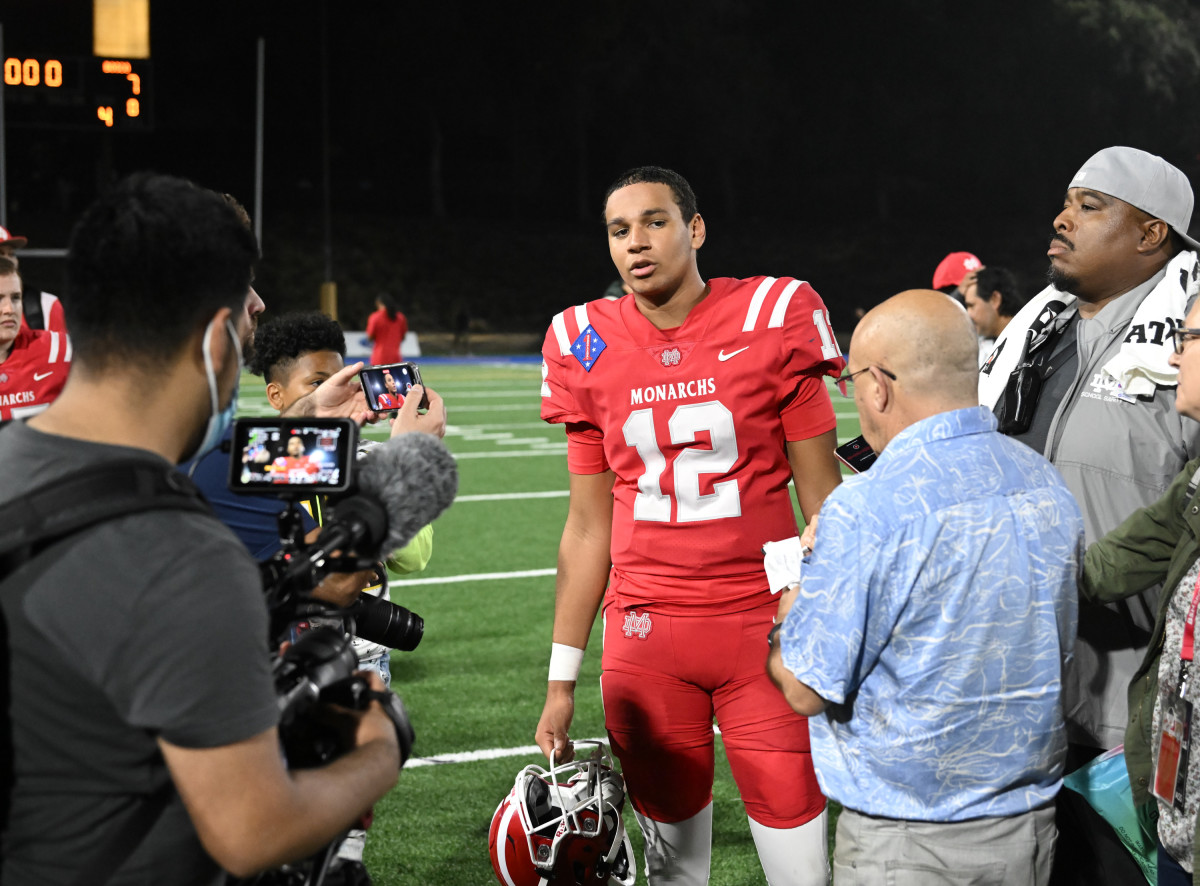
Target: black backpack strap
[
  {"x": 90, "y": 496},
  {"x": 57, "y": 510}
]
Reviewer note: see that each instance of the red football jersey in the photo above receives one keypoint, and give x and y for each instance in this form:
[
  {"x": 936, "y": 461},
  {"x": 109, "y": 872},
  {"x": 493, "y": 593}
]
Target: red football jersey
[
  {"x": 693, "y": 422},
  {"x": 294, "y": 469},
  {"x": 34, "y": 373}
]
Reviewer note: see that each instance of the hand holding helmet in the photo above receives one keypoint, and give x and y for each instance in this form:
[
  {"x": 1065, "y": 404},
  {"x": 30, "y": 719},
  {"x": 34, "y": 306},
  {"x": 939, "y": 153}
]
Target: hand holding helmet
[{"x": 563, "y": 824}]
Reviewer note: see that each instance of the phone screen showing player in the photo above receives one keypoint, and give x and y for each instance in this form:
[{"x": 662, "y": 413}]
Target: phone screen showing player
[
  {"x": 292, "y": 455},
  {"x": 386, "y": 386},
  {"x": 857, "y": 454}
]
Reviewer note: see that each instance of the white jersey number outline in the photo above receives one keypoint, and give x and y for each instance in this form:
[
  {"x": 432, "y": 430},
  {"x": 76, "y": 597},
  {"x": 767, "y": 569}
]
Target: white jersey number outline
[
  {"x": 651, "y": 503},
  {"x": 829, "y": 348}
]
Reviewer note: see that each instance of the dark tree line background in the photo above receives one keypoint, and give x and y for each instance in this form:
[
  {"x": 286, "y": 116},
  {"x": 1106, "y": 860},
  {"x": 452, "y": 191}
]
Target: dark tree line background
[{"x": 469, "y": 144}]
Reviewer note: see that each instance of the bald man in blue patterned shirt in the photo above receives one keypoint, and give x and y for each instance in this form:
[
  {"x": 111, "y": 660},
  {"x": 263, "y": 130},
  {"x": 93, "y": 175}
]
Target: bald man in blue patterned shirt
[{"x": 933, "y": 619}]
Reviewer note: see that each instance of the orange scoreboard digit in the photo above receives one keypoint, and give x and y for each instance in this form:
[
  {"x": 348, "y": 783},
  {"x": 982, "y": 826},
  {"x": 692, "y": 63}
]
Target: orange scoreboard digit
[{"x": 71, "y": 92}]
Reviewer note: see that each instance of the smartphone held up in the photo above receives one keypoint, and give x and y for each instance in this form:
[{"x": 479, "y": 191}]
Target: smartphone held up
[{"x": 385, "y": 387}]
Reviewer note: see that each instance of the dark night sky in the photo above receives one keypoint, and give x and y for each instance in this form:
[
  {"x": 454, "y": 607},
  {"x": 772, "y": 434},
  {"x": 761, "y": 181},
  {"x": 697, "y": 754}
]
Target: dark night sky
[{"x": 862, "y": 141}]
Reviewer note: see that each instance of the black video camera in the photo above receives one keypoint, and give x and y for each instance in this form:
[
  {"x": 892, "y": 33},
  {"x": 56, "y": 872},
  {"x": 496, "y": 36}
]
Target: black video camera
[{"x": 299, "y": 459}]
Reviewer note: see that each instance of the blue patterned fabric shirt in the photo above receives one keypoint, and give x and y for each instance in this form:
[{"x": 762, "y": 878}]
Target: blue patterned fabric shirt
[{"x": 935, "y": 615}]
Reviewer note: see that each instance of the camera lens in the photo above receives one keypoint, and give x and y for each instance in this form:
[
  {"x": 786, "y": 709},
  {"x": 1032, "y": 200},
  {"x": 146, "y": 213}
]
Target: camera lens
[{"x": 387, "y": 624}]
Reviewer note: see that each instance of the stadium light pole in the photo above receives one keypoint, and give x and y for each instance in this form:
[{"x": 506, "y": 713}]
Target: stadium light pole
[
  {"x": 259, "y": 112},
  {"x": 3, "y": 146},
  {"x": 329, "y": 286}
]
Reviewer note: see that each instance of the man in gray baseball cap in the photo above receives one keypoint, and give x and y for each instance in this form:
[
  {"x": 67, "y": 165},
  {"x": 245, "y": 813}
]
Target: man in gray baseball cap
[
  {"x": 1094, "y": 347},
  {"x": 1123, "y": 184}
]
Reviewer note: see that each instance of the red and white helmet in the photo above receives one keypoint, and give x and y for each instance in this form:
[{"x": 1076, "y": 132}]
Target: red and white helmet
[{"x": 562, "y": 826}]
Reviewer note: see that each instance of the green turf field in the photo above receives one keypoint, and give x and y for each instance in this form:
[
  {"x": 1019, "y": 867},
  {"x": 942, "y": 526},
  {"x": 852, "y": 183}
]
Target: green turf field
[{"x": 478, "y": 679}]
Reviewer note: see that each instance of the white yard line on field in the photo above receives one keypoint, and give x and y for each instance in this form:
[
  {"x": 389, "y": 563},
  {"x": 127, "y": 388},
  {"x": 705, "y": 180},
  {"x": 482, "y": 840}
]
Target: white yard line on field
[
  {"x": 453, "y": 430},
  {"x": 513, "y": 496},
  {"x": 473, "y": 756},
  {"x": 550, "y": 449},
  {"x": 498, "y": 407},
  {"x": 478, "y": 576},
  {"x": 490, "y": 754},
  {"x": 530, "y": 395}
]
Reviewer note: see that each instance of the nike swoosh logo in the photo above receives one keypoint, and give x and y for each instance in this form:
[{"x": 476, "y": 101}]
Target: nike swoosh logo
[
  {"x": 722, "y": 356},
  {"x": 38, "y": 376}
]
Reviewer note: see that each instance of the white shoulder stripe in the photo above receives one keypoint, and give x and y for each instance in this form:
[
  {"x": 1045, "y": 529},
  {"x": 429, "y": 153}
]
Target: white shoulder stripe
[
  {"x": 760, "y": 295},
  {"x": 67, "y": 357},
  {"x": 581, "y": 317},
  {"x": 560, "y": 332},
  {"x": 53, "y": 358},
  {"x": 781, "y": 305}
]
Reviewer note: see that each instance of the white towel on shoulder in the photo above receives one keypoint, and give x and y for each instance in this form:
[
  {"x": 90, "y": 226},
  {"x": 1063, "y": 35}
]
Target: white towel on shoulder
[{"x": 1141, "y": 364}]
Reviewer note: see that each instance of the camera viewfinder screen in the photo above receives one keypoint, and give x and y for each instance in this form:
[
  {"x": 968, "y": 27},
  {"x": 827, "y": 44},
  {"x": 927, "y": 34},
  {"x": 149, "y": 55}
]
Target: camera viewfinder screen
[{"x": 291, "y": 456}]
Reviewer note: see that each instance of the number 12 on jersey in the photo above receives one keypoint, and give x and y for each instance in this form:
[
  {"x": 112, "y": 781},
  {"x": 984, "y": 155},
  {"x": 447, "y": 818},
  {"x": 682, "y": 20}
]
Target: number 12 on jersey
[{"x": 651, "y": 503}]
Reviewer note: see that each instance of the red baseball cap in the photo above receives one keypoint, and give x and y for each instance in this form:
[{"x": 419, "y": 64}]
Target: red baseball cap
[
  {"x": 11, "y": 240},
  {"x": 953, "y": 268}
]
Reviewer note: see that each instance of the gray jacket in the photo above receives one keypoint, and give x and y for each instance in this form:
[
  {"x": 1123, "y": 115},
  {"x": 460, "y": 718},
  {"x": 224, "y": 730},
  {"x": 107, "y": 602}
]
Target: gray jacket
[{"x": 1116, "y": 456}]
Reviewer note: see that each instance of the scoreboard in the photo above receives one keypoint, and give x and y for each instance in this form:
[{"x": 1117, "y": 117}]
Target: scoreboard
[{"x": 73, "y": 92}]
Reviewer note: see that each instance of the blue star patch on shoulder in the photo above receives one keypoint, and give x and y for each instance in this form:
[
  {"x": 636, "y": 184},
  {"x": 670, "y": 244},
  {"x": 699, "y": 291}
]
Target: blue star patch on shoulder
[{"x": 588, "y": 348}]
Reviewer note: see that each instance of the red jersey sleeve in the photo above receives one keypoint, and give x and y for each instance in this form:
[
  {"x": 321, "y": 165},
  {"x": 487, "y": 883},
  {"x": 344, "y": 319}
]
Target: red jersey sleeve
[
  {"x": 558, "y": 403},
  {"x": 585, "y": 450},
  {"x": 810, "y": 352},
  {"x": 585, "y": 442}
]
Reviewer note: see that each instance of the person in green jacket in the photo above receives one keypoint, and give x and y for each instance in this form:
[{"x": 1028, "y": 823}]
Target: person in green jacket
[{"x": 1161, "y": 543}]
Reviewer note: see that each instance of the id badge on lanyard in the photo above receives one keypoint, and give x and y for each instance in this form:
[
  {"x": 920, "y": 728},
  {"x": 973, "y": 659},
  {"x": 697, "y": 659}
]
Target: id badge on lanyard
[{"x": 1175, "y": 734}]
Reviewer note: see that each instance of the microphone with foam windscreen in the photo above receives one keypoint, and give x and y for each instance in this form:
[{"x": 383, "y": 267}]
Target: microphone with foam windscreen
[
  {"x": 414, "y": 477},
  {"x": 401, "y": 486}
]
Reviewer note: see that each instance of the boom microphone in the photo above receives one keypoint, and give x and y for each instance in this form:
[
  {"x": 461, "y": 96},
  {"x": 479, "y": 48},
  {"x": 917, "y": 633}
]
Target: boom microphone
[{"x": 409, "y": 481}]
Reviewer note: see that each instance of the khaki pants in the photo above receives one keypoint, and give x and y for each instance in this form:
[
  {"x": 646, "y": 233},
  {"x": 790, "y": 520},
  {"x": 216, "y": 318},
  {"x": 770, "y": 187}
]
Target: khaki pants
[{"x": 1011, "y": 851}]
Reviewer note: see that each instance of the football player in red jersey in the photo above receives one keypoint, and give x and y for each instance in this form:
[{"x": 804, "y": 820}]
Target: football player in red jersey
[
  {"x": 689, "y": 406},
  {"x": 41, "y": 309},
  {"x": 295, "y": 467},
  {"x": 391, "y": 398},
  {"x": 33, "y": 362}
]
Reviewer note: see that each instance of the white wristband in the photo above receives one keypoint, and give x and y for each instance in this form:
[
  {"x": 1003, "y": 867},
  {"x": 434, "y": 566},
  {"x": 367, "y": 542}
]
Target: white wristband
[{"x": 564, "y": 662}]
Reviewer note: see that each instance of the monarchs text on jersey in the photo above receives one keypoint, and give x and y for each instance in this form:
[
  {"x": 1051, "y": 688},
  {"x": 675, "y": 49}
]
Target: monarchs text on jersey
[
  {"x": 693, "y": 422},
  {"x": 34, "y": 373}
]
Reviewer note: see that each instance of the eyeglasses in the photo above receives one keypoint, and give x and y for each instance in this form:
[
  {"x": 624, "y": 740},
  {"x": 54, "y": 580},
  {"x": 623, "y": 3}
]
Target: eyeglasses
[
  {"x": 1182, "y": 336},
  {"x": 844, "y": 380}
]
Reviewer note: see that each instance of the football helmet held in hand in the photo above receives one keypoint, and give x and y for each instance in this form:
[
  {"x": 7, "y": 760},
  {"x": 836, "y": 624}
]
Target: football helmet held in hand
[{"x": 563, "y": 825}]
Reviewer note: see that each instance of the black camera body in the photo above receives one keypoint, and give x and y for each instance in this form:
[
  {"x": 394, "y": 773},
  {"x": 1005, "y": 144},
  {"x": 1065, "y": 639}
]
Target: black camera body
[
  {"x": 317, "y": 670},
  {"x": 315, "y": 676}
]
